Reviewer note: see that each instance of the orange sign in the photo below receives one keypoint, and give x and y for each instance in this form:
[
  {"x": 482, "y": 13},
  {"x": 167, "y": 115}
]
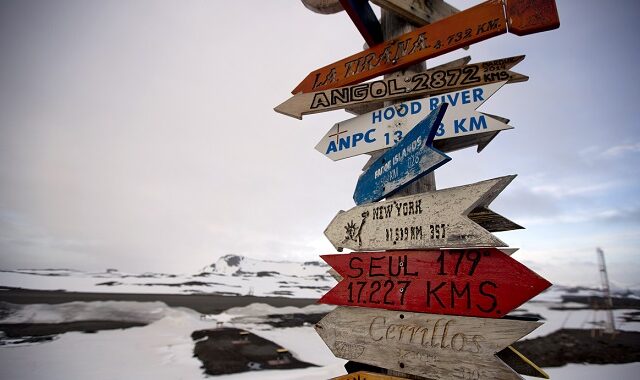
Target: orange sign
[{"x": 473, "y": 25}]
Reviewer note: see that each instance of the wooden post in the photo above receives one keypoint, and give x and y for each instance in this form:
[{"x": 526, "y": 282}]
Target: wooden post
[{"x": 393, "y": 26}]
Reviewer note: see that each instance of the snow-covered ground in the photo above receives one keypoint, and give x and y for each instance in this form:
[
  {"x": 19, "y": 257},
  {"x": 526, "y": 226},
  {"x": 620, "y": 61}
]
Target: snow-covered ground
[
  {"x": 230, "y": 275},
  {"x": 163, "y": 349}
]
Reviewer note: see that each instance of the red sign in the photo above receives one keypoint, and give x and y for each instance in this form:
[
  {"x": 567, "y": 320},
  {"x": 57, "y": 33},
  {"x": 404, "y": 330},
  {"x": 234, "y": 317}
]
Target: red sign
[
  {"x": 471, "y": 282},
  {"x": 473, "y": 25}
]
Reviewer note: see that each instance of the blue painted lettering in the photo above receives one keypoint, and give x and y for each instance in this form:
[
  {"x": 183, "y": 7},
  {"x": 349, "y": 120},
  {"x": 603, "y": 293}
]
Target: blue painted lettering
[
  {"x": 345, "y": 143},
  {"x": 415, "y": 107},
  {"x": 389, "y": 113},
  {"x": 357, "y": 137},
  {"x": 367, "y": 136},
  {"x": 440, "y": 131},
  {"x": 331, "y": 147},
  {"x": 377, "y": 116},
  {"x": 402, "y": 110},
  {"x": 458, "y": 126},
  {"x": 477, "y": 123},
  {"x": 433, "y": 103},
  {"x": 465, "y": 97},
  {"x": 477, "y": 94}
]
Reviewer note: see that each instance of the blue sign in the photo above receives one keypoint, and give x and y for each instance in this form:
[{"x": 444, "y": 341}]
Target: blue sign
[{"x": 410, "y": 159}]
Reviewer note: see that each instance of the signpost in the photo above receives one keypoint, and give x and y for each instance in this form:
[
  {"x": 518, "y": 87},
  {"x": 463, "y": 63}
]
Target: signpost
[
  {"x": 382, "y": 128},
  {"x": 441, "y": 258},
  {"x": 482, "y": 282},
  {"x": 430, "y": 82},
  {"x": 473, "y": 25},
  {"x": 430, "y": 345},
  {"x": 433, "y": 220},
  {"x": 411, "y": 158}
]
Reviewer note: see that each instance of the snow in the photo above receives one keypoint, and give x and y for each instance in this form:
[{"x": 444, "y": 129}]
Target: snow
[
  {"x": 145, "y": 312},
  {"x": 246, "y": 277},
  {"x": 163, "y": 349},
  {"x": 629, "y": 371}
]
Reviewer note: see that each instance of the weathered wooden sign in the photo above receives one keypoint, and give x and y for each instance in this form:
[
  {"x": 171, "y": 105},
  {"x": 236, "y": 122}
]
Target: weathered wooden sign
[
  {"x": 433, "y": 346},
  {"x": 364, "y": 375},
  {"x": 473, "y": 25},
  {"x": 364, "y": 19},
  {"x": 434, "y": 220},
  {"x": 384, "y": 127},
  {"x": 430, "y": 82},
  {"x": 411, "y": 158},
  {"x": 479, "y": 282}
]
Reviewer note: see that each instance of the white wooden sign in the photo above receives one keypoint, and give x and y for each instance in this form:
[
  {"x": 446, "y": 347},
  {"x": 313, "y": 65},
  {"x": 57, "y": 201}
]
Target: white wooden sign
[
  {"x": 433, "y": 220},
  {"x": 384, "y": 127},
  {"x": 428, "y": 345}
]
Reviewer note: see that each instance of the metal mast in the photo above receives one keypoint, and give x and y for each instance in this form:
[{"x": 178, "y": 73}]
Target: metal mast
[{"x": 610, "y": 327}]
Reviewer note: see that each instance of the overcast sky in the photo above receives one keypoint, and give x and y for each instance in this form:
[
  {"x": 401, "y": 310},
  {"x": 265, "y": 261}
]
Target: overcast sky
[{"x": 141, "y": 135}]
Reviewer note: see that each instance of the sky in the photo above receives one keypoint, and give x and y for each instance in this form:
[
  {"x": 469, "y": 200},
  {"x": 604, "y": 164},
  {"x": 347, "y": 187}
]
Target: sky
[{"x": 140, "y": 135}]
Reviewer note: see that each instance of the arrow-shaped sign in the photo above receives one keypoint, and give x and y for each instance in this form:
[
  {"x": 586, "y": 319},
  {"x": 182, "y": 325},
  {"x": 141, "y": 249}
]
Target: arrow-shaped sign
[
  {"x": 433, "y": 346},
  {"x": 482, "y": 282},
  {"x": 473, "y": 25},
  {"x": 430, "y": 82},
  {"x": 408, "y": 160},
  {"x": 434, "y": 220},
  {"x": 383, "y": 128}
]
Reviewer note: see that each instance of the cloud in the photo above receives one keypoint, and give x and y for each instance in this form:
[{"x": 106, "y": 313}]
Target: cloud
[
  {"x": 557, "y": 190},
  {"x": 619, "y": 150},
  {"x": 610, "y": 215}
]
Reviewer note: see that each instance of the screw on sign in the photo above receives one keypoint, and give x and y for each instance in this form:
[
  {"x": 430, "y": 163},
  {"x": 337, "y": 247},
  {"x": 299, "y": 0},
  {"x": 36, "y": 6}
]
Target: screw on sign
[
  {"x": 424, "y": 221},
  {"x": 473, "y": 25},
  {"x": 482, "y": 282},
  {"x": 411, "y": 158},
  {"x": 383, "y": 128},
  {"x": 430, "y": 82},
  {"x": 438, "y": 347}
]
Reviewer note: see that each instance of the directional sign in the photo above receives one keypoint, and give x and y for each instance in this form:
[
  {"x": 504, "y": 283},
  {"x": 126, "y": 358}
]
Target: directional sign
[
  {"x": 364, "y": 375},
  {"x": 473, "y": 25},
  {"x": 430, "y": 82},
  {"x": 433, "y": 346},
  {"x": 364, "y": 19},
  {"x": 408, "y": 160},
  {"x": 481, "y": 282},
  {"x": 384, "y": 127},
  {"x": 434, "y": 220}
]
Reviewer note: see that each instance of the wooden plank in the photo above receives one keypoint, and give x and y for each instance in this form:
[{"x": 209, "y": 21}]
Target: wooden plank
[
  {"x": 479, "y": 282},
  {"x": 364, "y": 19},
  {"x": 325, "y": 7},
  {"x": 520, "y": 363},
  {"x": 383, "y": 128},
  {"x": 491, "y": 221},
  {"x": 431, "y": 82},
  {"x": 419, "y": 12},
  {"x": 411, "y": 158},
  {"x": 476, "y": 24},
  {"x": 531, "y": 16},
  {"x": 433, "y": 346},
  {"x": 388, "y": 224},
  {"x": 364, "y": 375},
  {"x": 359, "y": 109}
]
